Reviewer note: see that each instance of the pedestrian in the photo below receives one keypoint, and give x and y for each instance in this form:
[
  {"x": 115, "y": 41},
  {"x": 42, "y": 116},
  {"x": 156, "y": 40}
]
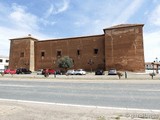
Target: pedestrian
[
  {"x": 125, "y": 74},
  {"x": 54, "y": 74},
  {"x": 46, "y": 74}
]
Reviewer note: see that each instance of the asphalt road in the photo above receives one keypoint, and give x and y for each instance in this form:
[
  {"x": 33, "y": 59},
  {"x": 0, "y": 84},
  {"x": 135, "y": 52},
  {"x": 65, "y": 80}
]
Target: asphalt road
[{"x": 142, "y": 95}]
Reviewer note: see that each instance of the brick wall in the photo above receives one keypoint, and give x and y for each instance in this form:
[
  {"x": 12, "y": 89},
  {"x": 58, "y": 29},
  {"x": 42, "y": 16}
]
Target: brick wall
[
  {"x": 124, "y": 48},
  {"x": 19, "y": 53},
  {"x": 70, "y": 47}
]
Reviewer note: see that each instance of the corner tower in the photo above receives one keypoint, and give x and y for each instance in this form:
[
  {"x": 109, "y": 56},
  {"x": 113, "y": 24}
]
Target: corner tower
[
  {"x": 124, "y": 47},
  {"x": 22, "y": 52}
]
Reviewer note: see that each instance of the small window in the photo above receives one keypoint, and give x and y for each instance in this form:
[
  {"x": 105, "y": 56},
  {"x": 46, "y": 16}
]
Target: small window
[
  {"x": 59, "y": 53},
  {"x": 95, "y": 51},
  {"x": 1, "y": 60},
  {"x": 78, "y": 52},
  {"x": 42, "y": 54},
  {"x": 7, "y": 61},
  {"x": 22, "y": 54}
]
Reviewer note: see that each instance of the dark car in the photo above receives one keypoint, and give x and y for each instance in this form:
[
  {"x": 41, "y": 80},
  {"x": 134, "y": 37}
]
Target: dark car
[
  {"x": 99, "y": 72},
  {"x": 58, "y": 72},
  {"x": 112, "y": 71},
  {"x": 23, "y": 71}
]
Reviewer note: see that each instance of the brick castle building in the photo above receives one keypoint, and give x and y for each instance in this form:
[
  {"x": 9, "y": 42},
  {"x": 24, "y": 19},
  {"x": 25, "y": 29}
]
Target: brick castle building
[{"x": 120, "y": 47}]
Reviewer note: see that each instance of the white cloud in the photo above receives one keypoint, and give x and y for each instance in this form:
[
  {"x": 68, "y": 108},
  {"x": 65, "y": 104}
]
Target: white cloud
[
  {"x": 8, "y": 33},
  {"x": 151, "y": 46},
  {"x": 128, "y": 11},
  {"x": 99, "y": 15},
  {"x": 17, "y": 22},
  {"x": 82, "y": 20},
  {"x": 154, "y": 17},
  {"x": 57, "y": 8},
  {"x": 22, "y": 19}
]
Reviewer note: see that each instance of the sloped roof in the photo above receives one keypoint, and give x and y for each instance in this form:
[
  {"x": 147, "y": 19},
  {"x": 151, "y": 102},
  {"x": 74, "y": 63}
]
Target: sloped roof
[{"x": 123, "y": 26}]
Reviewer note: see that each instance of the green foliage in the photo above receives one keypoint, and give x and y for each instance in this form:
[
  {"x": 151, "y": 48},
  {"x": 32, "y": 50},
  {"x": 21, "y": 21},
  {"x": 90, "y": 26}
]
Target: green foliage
[{"x": 65, "y": 62}]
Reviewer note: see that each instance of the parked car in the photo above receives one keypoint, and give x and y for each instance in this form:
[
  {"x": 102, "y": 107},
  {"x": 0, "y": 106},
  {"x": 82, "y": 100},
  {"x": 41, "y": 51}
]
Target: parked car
[
  {"x": 70, "y": 72},
  {"x": 1, "y": 70},
  {"x": 99, "y": 72},
  {"x": 80, "y": 72},
  {"x": 39, "y": 72},
  {"x": 23, "y": 71},
  {"x": 112, "y": 71},
  {"x": 50, "y": 71},
  {"x": 58, "y": 72},
  {"x": 10, "y": 71}
]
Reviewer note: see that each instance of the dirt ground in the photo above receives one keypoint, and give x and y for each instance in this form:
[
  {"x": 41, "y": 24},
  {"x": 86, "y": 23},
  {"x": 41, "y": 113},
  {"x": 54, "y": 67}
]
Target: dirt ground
[{"x": 19, "y": 110}]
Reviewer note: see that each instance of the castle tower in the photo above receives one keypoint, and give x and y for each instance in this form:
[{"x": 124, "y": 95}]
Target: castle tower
[
  {"x": 22, "y": 52},
  {"x": 124, "y": 47}
]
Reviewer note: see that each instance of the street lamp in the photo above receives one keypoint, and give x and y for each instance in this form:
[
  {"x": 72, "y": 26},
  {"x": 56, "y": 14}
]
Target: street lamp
[{"x": 155, "y": 63}]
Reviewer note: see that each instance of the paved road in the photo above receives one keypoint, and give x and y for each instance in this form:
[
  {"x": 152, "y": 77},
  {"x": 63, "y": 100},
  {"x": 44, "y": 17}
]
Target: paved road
[{"x": 143, "y": 95}]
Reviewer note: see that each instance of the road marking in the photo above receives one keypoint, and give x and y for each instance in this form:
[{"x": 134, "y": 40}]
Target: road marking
[
  {"x": 9, "y": 85},
  {"x": 84, "y": 106},
  {"x": 149, "y": 90}
]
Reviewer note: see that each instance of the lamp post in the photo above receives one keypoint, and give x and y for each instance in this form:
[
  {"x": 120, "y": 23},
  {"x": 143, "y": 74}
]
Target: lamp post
[{"x": 155, "y": 64}]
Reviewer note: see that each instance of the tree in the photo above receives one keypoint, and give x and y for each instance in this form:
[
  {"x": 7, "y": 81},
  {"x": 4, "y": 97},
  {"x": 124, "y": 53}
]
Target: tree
[{"x": 65, "y": 62}]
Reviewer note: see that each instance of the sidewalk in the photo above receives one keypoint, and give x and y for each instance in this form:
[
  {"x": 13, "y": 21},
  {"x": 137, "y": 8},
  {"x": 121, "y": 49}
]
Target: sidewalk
[
  {"x": 12, "y": 110},
  {"x": 89, "y": 76}
]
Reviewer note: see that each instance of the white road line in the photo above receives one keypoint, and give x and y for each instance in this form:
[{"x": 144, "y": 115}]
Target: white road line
[
  {"x": 149, "y": 90},
  {"x": 84, "y": 106},
  {"x": 8, "y": 85}
]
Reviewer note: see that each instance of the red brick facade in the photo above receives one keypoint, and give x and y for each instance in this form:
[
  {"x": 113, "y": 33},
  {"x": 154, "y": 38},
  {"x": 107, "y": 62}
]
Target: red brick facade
[{"x": 120, "y": 47}]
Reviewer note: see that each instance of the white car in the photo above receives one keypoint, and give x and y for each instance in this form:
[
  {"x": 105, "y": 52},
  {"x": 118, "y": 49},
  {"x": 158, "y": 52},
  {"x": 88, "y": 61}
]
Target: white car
[
  {"x": 39, "y": 72},
  {"x": 80, "y": 72},
  {"x": 70, "y": 72}
]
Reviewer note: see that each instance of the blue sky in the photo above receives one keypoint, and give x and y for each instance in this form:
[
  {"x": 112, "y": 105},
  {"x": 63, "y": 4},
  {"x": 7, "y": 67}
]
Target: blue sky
[{"x": 45, "y": 19}]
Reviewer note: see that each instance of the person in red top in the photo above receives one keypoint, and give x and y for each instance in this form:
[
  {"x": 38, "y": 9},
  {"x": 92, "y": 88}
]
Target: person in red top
[{"x": 46, "y": 74}]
